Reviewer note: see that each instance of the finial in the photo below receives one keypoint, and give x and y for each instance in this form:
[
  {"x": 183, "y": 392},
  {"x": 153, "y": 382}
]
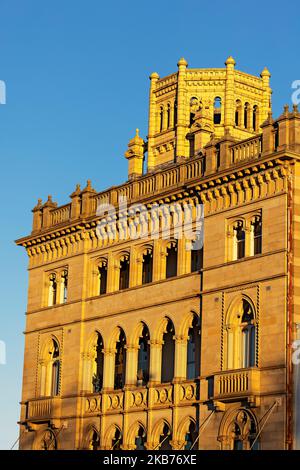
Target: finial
[
  {"x": 230, "y": 61},
  {"x": 154, "y": 76},
  {"x": 77, "y": 187},
  {"x": 49, "y": 198},
  {"x": 88, "y": 184},
  {"x": 39, "y": 203},
  {"x": 137, "y": 132},
  {"x": 182, "y": 62},
  {"x": 286, "y": 110},
  {"x": 295, "y": 108},
  {"x": 265, "y": 73}
]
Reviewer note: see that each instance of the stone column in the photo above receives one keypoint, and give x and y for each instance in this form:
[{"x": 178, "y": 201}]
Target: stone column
[
  {"x": 229, "y": 117},
  {"x": 131, "y": 365},
  {"x": 155, "y": 361},
  {"x": 109, "y": 369},
  {"x": 180, "y": 366},
  {"x": 181, "y": 109}
]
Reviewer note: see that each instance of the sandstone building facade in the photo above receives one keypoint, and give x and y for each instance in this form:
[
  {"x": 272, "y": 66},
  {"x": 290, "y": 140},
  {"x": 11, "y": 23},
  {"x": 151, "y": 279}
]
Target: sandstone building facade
[{"x": 162, "y": 341}]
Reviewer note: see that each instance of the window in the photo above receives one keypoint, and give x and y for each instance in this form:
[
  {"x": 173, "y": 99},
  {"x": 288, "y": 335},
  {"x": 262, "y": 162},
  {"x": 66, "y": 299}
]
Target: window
[
  {"x": 239, "y": 240},
  {"x": 171, "y": 262},
  {"x": 242, "y": 432},
  {"x": 168, "y": 352},
  {"x": 246, "y": 115},
  {"x": 116, "y": 440},
  {"x": 50, "y": 369},
  {"x": 124, "y": 272},
  {"x": 120, "y": 361},
  {"x": 140, "y": 439},
  {"x": 64, "y": 287},
  {"x": 217, "y": 110},
  {"x": 143, "y": 357},
  {"x": 241, "y": 337},
  {"x": 168, "y": 116},
  {"x": 256, "y": 227},
  {"x": 196, "y": 260},
  {"x": 255, "y": 118},
  {"x": 147, "y": 267},
  {"x": 165, "y": 438},
  {"x": 102, "y": 272},
  {"x": 193, "y": 350},
  {"x": 190, "y": 436},
  {"x": 52, "y": 290},
  {"x": 93, "y": 440},
  {"x": 161, "y": 119},
  {"x": 97, "y": 367}
]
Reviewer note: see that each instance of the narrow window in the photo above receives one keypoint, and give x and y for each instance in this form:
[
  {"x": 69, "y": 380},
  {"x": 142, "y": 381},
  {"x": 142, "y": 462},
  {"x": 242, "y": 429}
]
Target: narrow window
[
  {"x": 168, "y": 116},
  {"x": 143, "y": 357},
  {"x": 246, "y": 113},
  {"x": 52, "y": 290},
  {"x": 120, "y": 362},
  {"x": 238, "y": 112},
  {"x": 257, "y": 236},
  {"x": 147, "y": 268},
  {"x": 193, "y": 350},
  {"x": 64, "y": 286},
  {"x": 217, "y": 110},
  {"x": 98, "y": 366},
  {"x": 55, "y": 379},
  {"x": 161, "y": 119},
  {"x": 171, "y": 262},
  {"x": 116, "y": 440},
  {"x": 124, "y": 274},
  {"x": 165, "y": 439},
  {"x": 168, "y": 351},
  {"x": 276, "y": 135},
  {"x": 196, "y": 260},
  {"x": 255, "y": 118},
  {"x": 93, "y": 442},
  {"x": 140, "y": 439},
  {"x": 239, "y": 241},
  {"x": 190, "y": 436},
  {"x": 102, "y": 279},
  {"x": 248, "y": 336}
]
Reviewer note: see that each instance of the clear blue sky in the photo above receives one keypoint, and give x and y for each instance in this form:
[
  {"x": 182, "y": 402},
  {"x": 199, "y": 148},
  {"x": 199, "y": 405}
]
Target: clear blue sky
[{"x": 76, "y": 74}]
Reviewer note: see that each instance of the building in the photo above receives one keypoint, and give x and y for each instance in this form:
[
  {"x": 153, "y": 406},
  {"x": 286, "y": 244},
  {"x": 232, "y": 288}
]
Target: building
[{"x": 158, "y": 341}]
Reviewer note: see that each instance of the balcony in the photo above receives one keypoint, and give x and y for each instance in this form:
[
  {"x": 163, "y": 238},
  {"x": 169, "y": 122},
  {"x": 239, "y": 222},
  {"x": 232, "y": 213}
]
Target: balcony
[
  {"x": 43, "y": 408},
  {"x": 234, "y": 384}
]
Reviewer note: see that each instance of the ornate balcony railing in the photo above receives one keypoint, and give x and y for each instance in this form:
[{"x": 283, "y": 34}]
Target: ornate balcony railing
[
  {"x": 43, "y": 408},
  {"x": 246, "y": 150},
  {"x": 233, "y": 384}
]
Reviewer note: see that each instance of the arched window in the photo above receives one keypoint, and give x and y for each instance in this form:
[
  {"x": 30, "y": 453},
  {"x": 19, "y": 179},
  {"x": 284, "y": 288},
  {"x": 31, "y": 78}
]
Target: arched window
[
  {"x": 161, "y": 118},
  {"x": 165, "y": 438},
  {"x": 246, "y": 115},
  {"x": 52, "y": 290},
  {"x": 102, "y": 277},
  {"x": 168, "y": 352},
  {"x": 171, "y": 261},
  {"x": 241, "y": 337},
  {"x": 147, "y": 267},
  {"x": 116, "y": 440},
  {"x": 48, "y": 441},
  {"x": 239, "y": 240},
  {"x": 97, "y": 367},
  {"x": 124, "y": 272},
  {"x": 120, "y": 361},
  {"x": 242, "y": 432},
  {"x": 64, "y": 286},
  {"x": 256, "y": 236},
  {"x": 168, "y": 116},
  {"x": 140, "y": 439},
  {"x": 255, "y": 118},
  {"x": 238, "y": 113},
  {"x": 50, "y": 369},
  {"x": 190, "y": 436},
  {"x": 193, "y": 350},
  {"x": 93, "y": 440},
  {"x": 217, "y": 110},
  {"x": 248, "y": 336},
  {"x": 143, "y": 357}
]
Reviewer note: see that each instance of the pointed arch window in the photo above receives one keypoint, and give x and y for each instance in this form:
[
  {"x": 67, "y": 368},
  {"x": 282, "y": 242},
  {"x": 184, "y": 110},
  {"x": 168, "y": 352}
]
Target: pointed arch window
[
  {"x": 64, "y": 286},
  {"x": 97, "y": 366},
  {"x": 165, "y": 438},
  {"x": 239, "y": 244},
  {"x": 190, "y": 436},
  {"x": 147, "y": 268},
  {"x": 140, "y": 439},
  {"x": 102, "y": 277},
  {"x": 238, "y": 113},
  {"x": 120, "y": 361},
  {"x": 171, "y": 261},
  {"x": 52, "y": 290},
  {"x": 144, "y": 357},
  {"x": 161, "y": 119},
  {"x": 93, "y": 440},
  {"x": 50, "y": 370},
  {"x": 168, "y": 353},
  {"x": 116, "y": 440},
  {"x": 256, "y": 233},
  {"x": 193, "y": 350},
  {"x": 124, "y": 272}
]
